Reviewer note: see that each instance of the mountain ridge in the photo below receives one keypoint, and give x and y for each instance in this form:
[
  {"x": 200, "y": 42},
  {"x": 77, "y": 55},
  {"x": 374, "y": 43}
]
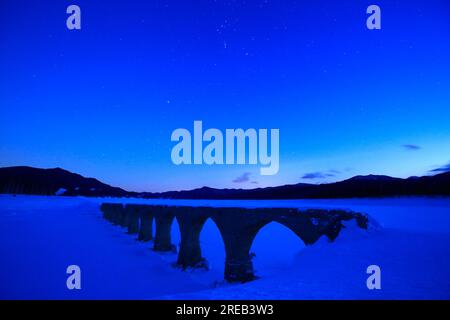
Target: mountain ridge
[
  {"x": 58, "y": 181},
  {"x": 30, "y": 180}
]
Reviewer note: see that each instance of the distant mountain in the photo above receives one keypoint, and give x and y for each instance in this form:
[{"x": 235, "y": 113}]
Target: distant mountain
[
  {"x": 356, "y": 187},
  {"x": 27, "y": 180}
]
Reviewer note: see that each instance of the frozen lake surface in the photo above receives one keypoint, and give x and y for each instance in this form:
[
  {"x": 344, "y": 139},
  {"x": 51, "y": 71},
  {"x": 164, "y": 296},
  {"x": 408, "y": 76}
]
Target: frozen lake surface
[{"x": 41, "y": 236}]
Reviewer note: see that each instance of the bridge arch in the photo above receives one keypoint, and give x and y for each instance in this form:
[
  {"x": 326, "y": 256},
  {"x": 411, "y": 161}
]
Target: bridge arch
[
  {"x": 200, "y": 234},
  {"x": 175, "y": 235},
  {"x": 213, "y": 248},
  {"x": 274, "y": 247},
  {"x": 192, "y": 223},
  {"x": 238, "y": 230}
]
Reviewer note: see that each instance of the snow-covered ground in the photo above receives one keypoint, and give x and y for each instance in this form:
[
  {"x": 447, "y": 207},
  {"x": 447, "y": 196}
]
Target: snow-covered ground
[{"x": 41, "y": 236}]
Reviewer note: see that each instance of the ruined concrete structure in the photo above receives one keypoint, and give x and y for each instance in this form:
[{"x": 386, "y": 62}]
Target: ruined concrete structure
[{"x": 238, "y": 227}]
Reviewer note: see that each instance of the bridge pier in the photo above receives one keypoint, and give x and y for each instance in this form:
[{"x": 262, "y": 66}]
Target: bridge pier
[
  {"x": 116, "y": 213},
  {"x": 163, "y": 221},
  {"x": 122, "y": 217},
  {"x": 105, "y": 208},
  {"x": 146, "y": 225},
  {"x": 132, "y": 221},
  {"x": 191, "y": 223},
  {"x": 238, "y": 230},
  {"x": 125, "y": 221}
]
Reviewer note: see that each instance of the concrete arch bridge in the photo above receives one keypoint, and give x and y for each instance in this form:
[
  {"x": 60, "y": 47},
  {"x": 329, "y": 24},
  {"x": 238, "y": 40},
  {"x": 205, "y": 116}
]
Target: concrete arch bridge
[{"x": 238, "y": 227}]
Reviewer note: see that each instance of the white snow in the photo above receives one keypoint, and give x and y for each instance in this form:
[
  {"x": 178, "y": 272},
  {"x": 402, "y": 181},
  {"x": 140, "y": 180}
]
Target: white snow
[
  {"x": 60, "y": 192},
  {"x": 41, "y": 236}
]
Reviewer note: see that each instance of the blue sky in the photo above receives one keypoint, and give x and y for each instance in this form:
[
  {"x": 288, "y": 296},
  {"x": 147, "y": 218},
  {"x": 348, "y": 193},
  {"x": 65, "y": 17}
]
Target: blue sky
[{"x": 104, "y": 100}]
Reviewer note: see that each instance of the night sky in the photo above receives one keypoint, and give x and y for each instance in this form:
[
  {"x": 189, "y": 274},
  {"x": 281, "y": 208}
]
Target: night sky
[{"x": 103, "y": 101}]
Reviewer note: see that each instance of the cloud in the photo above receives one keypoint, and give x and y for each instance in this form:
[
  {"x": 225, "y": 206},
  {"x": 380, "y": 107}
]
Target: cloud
[
  {"x": 445, "y": 168},
  {"x": 245, "y": 177},
  {"x": 411, "y": 147},
  {"x": 317, "y": 175},
  {"x": 334, "y": 171}
]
